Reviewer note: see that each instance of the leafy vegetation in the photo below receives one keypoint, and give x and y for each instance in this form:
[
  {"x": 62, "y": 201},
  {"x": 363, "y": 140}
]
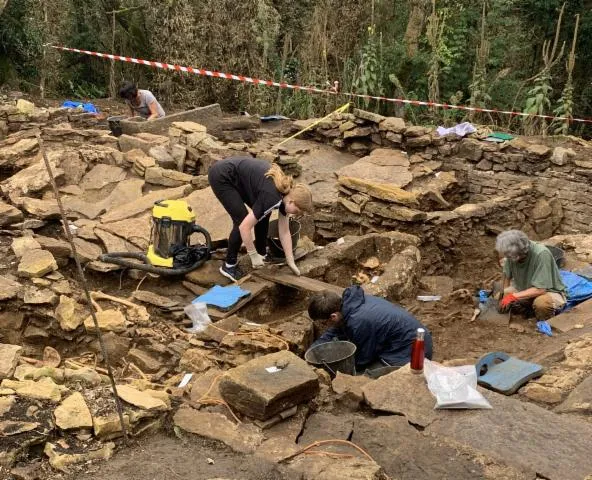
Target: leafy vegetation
[{"x": 503, "y": 54}]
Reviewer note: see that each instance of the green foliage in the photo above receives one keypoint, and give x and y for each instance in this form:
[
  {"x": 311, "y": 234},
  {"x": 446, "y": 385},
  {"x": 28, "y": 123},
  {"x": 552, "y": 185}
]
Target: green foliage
[
  {"x": 20, "y": 40},
  {"x": 368, "y": 78},
  {"x": 85, "y": 90},
  {"x": 312, "y": 42}
]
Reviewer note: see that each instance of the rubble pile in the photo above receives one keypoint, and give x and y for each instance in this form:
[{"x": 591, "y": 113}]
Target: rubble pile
[
  {"x": 24, "y": 115},
  {"x": 70, "y": 411}
]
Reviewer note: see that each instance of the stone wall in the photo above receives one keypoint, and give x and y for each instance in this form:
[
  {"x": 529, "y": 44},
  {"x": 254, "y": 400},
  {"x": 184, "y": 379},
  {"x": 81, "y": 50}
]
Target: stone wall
[
  {"x": 559, "y": 169},
  {"x": 561, "y": 177}
]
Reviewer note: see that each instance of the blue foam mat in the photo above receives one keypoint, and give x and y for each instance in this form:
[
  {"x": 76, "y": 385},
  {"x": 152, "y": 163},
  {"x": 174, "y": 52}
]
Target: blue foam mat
[
  {"x": 222, "y": 297},
  {"x": 508, "y": 375}
]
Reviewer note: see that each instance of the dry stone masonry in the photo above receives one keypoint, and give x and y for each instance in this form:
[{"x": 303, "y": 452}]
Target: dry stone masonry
[{"x": 409, "y": 177}]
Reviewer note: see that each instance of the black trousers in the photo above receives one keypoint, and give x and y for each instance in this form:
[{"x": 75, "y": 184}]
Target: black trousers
[{"x": 220, "y": 178}]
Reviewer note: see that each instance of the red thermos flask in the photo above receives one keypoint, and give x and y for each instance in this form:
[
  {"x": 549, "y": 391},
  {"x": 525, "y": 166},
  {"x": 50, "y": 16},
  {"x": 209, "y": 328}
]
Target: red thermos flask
[{"x": 418, "y": 352}]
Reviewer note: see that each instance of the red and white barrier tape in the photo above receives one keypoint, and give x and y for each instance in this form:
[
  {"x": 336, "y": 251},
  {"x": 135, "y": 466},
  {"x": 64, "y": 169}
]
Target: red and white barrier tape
[{"x": 270, "y": 83}]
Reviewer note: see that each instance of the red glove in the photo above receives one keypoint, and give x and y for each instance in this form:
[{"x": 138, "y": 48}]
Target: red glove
[{"x": 508, "y": 299}]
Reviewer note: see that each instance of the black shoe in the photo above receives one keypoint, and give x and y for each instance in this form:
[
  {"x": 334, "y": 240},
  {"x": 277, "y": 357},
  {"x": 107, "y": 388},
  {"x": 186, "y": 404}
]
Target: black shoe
[{"x": 233, "y": 273}]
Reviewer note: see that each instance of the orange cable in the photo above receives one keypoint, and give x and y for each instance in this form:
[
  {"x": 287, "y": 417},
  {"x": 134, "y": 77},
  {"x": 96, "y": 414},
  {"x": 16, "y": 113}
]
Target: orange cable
[{"x": 324, "y": 442}]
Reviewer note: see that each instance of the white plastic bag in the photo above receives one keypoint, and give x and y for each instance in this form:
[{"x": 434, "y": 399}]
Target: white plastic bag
[
  {"x": 454, "y": 387},
  {"x": 198, "y": 313}
]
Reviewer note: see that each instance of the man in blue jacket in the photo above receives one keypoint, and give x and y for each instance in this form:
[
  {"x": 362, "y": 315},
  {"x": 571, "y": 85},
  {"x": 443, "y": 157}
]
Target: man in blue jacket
[{"x": 382, "y": 332}]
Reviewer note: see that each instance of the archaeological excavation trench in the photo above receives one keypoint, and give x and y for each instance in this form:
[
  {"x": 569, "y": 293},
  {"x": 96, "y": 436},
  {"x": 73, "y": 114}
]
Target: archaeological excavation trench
[{"x": 399, "y": 210}]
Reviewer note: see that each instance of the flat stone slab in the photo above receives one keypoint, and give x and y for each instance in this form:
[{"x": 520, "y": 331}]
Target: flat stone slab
[
  {"x": 406, "y": 454},
  {"x": 146, "y": 202},
  {"x": 135, "y": 230},
  {"x": 9, "y": 214},
  {"x": 73, "y": 413},
  {"x": 9, "y": 288},
  {"x": 324, "y": 426},
  {"x": 402, "y": 393},
  {"x": 350, "y": 387},
  {"x": 242, "y": 438},
  {"x": 579, "y": 400},
  {"x": 313, "y": 467},
  {"x": 436, "y": 284},
  {"x": 268, "y": 385},
  {"x": 109, "y": 321},
  {"x": 381, "y": 166},
  {"x": 113, "y": 243},
  {"x": 579, "y": 315},
  {"x": 523, "y": 436},
  {"x": 36, "y": 264},
  {"x": 102, "y": 175},
  {"x": 44, "y": 389},
  {"x": 152, "y": 298},
  {"x": 9, "y": 356},
  {"x": 140, "y": 399},
  {"x": 125, "y": 192},
  {"x": 213, "y": 218}
]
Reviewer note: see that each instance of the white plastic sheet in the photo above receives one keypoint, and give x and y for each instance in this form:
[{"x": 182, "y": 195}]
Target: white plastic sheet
[{"x": 454, "y": 387}]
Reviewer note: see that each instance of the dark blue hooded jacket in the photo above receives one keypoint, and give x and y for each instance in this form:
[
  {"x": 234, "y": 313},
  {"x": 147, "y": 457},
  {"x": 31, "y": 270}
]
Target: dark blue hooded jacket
[{"x": 381, "y": 331}]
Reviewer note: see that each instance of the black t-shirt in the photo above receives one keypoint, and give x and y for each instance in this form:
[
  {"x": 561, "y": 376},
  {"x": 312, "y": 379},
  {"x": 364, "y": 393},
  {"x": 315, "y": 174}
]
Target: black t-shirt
[{"x": 257, "y": 191}]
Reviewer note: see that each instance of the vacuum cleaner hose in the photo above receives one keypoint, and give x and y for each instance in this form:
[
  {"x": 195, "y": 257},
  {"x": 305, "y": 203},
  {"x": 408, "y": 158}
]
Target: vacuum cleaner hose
[{"x": 119, "y": 258}]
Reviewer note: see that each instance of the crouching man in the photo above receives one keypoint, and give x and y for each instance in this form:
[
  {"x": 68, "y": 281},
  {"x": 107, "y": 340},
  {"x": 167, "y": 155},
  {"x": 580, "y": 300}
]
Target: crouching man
[
  {"x": 531, "y": 277},
  {"x": 382, "y": 332}
]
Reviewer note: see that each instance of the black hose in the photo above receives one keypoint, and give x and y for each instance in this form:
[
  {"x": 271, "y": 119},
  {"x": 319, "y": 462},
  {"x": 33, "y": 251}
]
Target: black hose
[{"x": 118, "y": 258}]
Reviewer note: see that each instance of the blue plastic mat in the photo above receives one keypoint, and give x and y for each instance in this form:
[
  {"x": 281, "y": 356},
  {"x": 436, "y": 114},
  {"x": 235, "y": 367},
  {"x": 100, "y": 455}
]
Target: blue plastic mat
[
  {"x": 579, "y": 288},
  {"x": 223, "y": 298},
  {"x": 86, "y": 107}
]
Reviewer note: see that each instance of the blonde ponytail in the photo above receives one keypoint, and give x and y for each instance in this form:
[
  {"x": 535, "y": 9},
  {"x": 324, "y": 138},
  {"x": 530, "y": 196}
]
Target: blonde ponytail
[{"x": 282, "y": 182}]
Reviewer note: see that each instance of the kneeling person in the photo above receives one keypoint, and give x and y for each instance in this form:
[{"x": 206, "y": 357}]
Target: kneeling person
[
  {"x": 532, "y": 277},
  {"x": 382, "y": 332}
]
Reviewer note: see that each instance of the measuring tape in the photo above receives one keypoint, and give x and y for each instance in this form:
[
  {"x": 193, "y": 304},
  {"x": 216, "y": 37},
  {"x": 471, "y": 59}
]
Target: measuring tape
[{"x": 271, "y": 83}]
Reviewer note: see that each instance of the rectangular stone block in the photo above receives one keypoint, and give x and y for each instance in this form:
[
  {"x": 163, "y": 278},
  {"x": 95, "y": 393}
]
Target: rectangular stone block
[{"x": 269, "y": 385}]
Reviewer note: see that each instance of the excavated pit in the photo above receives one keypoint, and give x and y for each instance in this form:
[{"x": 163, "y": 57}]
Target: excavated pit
[{"x": 430, "y": 231}]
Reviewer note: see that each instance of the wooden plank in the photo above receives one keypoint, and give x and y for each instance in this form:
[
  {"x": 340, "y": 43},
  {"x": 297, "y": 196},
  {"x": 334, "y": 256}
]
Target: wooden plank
[{"x": 301, "y": 283}]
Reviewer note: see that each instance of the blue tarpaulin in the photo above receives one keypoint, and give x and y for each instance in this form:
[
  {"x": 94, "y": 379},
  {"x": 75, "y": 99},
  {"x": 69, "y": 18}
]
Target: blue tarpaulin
[
  {"x": 87, "y": 107},
  {"x": 579, "y": 288}
]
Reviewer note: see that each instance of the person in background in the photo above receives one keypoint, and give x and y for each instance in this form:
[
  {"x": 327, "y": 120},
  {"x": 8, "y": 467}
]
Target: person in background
[
  {"x": 531, "y": 276},
  {"x": 382, "y": 332},
  {"x": 263, "y": 187},
  {"x": 141, "y": 102}
]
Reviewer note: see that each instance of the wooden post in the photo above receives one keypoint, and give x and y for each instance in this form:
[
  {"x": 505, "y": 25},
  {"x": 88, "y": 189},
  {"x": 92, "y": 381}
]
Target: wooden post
[
  {"x": 42, "y": 80},
  {"x": 112, "y": 92}
]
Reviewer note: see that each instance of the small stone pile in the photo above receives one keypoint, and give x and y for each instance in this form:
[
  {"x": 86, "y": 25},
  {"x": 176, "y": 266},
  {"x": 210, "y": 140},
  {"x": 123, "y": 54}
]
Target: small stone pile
[
  {"x": 193, "y": 148},
  {"x": 288, "y": 163}
]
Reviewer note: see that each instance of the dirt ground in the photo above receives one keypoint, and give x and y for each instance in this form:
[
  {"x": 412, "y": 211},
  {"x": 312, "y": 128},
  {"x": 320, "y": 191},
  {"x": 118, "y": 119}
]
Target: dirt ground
[{"x": 163, "y": 457}]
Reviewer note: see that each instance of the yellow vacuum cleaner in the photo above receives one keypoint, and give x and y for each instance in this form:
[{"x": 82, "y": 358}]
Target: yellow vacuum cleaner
[{"x": 170, "y": 251}]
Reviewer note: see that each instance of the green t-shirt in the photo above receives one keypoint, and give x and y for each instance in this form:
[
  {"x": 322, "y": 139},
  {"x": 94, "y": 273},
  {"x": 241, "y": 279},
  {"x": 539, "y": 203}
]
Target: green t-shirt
[{"x": 538, "y": 270}]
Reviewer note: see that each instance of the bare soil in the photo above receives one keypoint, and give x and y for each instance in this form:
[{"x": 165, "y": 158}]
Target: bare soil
[{"x": 162, "y": 457}]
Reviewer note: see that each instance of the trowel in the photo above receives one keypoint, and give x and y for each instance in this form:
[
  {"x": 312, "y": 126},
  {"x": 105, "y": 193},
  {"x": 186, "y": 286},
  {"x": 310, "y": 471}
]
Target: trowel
[{"x": 489, "y": 313}]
